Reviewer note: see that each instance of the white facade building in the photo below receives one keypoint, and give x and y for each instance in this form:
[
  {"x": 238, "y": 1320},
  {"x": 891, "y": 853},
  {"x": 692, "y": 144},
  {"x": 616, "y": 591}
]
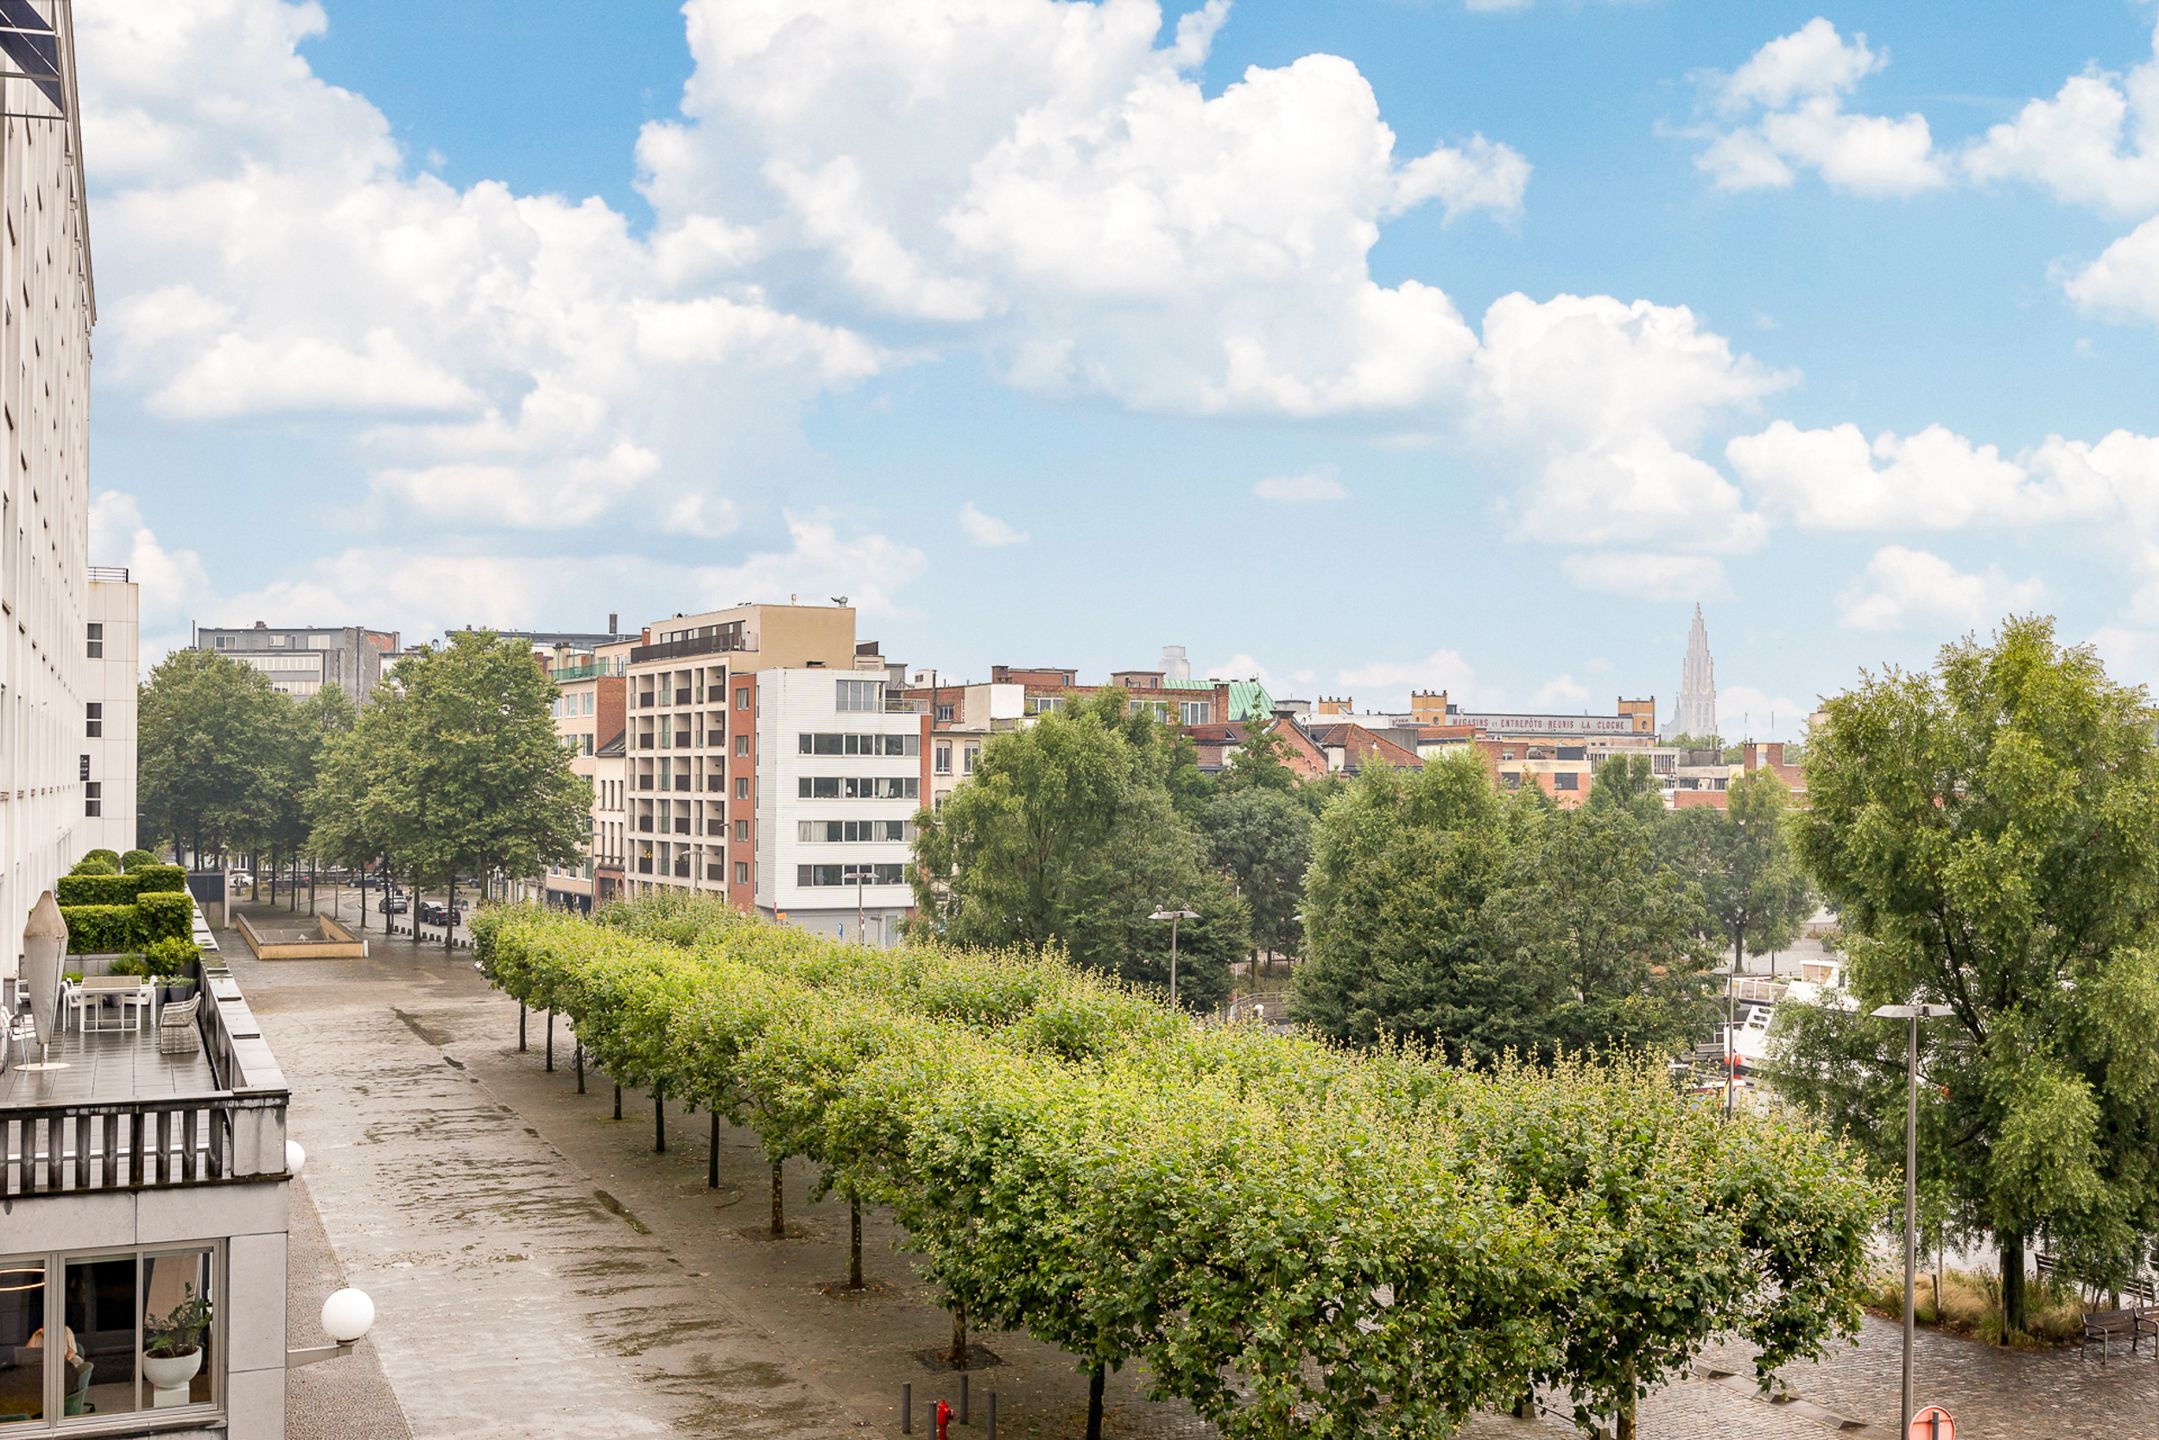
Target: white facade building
[
  {"x": 47, "y": 307},
  {"x": 112, "y": 651},
  {"x": 839, "y": 779}
]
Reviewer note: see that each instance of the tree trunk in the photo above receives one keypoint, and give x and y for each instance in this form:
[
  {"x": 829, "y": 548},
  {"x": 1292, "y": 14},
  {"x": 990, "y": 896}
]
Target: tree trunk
[
  {"x": 1095, "y": 1377},
  {"x": 1623, "y": 1426},
  {"x": 854, "y": 1243},
  {"x": 550, "y": 1042},
  {"x": 577, "y": 1052},
  {"x": 618, "y": 1099},
  {"x": 659, "y": 1121},
  {"x": 2013, "y": 1313},
  {"x": 520, "y": 1027},
  {"x": 712, "y": 1156},
  {"x": 957, "y": 1356},
  {"x": 779, "y": 1200},
  {"x": 449, "y": 915}
]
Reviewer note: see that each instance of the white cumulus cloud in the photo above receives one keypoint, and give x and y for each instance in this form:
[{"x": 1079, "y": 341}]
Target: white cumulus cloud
[
  {"x": 1791, "y": 96},
  {"x": 1902, "y": 587},
  {"x": 986, "y": 530}
]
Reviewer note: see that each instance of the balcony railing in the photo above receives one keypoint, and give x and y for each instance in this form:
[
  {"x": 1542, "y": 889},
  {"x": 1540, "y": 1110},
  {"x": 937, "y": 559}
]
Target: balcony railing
[
  {"x": 109, "y": 574},
  {"x": 584, "y": 670},
  {"x": 694, "y": 645}
]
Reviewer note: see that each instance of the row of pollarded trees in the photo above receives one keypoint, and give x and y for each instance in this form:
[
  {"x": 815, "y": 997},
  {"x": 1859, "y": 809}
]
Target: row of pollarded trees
[
  {"x": 1286, "y": 1235},
  {"x": 453, "y": 767}
]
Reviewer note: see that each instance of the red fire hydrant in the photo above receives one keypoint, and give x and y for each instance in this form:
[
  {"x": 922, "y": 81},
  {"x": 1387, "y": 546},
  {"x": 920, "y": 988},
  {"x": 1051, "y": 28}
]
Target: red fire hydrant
[{"x": 944, "y": 1419}]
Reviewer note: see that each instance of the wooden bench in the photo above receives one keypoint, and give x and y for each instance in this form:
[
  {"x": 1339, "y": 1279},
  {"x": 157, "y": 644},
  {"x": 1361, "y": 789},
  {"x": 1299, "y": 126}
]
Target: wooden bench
[{"x": 2107, "y": 1326}]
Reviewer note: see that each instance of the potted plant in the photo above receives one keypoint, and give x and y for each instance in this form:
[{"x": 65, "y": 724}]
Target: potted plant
[
  {"x": 170, "y": 960},
  {"x": 172, "y": 1345}
]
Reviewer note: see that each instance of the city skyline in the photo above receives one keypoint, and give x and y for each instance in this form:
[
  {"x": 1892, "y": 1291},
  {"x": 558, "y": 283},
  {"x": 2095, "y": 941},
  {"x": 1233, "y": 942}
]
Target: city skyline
[{"x": 1534, "y": 305}]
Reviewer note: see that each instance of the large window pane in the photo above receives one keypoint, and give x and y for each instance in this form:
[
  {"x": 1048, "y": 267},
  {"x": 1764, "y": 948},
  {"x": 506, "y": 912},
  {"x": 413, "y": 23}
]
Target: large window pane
[
  {"x": 100, "y": 1313},
  {"x": 177, "y": 1333},
  {"x": 22, "y": 1340}
]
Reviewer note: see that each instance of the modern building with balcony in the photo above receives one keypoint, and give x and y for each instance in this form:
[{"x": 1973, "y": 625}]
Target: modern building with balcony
[
  {"x": 142, "y": 1170},
  {"x": 588, "y": 711}
]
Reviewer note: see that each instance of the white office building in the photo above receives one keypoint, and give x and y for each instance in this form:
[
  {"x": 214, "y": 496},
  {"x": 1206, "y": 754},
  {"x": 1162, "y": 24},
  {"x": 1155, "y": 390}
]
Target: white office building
[{"x": 839, "y": 780}]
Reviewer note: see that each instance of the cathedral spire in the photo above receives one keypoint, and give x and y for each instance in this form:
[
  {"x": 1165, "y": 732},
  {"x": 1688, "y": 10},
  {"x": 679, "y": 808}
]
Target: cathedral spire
[{"x": 1696, "y": 713}]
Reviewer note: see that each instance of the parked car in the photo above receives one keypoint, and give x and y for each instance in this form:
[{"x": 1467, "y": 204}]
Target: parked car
[
  {"x": 395, "y": 904},
  {"x": 240, "y": 878},
  {"x": 434, "y": 912}
]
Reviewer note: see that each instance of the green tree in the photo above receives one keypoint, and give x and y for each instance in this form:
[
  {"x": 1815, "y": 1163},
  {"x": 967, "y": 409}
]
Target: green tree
[
  {"x": 1608, "y": 936},
  {"x": 1070, "y": 834},
  {"x": 1261, "y": 761},
  {"x": 1744, "y": 863},
  {"x": 1402, "y": 864},
  {"x": 209, "y": 736},
  {"x": 1261, "y": 838},
  {"x": 460, "y": 772},
  {"x": 1628, "y": 782},
  {"x": 1989, "y": 832}
]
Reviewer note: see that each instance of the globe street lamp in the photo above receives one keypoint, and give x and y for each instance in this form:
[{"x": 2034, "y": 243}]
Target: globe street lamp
[
  {"x": 1911, "y": 1015},
  {"x": 346, "y": 1316},
  {"x": 1173, "y": 916}
]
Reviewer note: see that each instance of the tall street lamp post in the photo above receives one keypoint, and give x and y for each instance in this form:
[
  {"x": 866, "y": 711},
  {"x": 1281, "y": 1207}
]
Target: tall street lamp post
[
  {"x": 1911, "y": 1015},
  {"x": 1173, "y": 916}
]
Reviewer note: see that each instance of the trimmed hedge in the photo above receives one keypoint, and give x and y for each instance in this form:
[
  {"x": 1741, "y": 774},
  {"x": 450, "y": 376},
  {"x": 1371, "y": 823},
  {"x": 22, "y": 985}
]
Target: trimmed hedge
[
  {"x": 101, "y": 929},
  {"x": 157, "y": 879},
  {"x": 162, "y": 914},
  {"x": 137, "y": 859},
  {"x": 96, "y": 889},
  {"x": 96, "y": 864}
]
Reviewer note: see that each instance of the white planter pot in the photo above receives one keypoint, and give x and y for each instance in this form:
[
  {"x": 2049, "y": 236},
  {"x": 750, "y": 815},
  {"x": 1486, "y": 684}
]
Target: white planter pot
[{"x": 171, "y": 1372}]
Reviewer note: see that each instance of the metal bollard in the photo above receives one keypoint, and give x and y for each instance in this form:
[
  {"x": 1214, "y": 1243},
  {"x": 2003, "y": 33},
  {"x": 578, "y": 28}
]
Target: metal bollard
[
  {"x": 993, "y": 1415},
  {"x": 963, "y": 1397},
  {"x": 907, "y": 1409}
]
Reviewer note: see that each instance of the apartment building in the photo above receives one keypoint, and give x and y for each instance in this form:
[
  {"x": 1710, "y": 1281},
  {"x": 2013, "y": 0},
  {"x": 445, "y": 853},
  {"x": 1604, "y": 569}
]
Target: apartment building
[
  {"x": 839, "y": 777},
  {"x": 1178, "y": 701},
  {"x": 962, "y": 716},
  {"x": 302, "y": 659},
  {"x": 589, "y": 716},
  {"x": 55, "y": 654},
  {"x": 690, "y": 744},
  {"x": 610, "y": 825}
]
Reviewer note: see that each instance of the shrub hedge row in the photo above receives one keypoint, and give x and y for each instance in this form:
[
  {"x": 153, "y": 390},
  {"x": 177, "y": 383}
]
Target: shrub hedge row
[
  {"x": 100, "y": 929},
  {"x": 106, "y": 889},
  {"x": 1291, "y": 1237}
]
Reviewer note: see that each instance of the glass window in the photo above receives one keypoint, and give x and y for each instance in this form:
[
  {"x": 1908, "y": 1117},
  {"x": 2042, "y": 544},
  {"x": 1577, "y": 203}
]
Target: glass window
[
  {"x": 99, "y": 1314},
  {"x": 94, "y": 719},
  {"x": 860, "y": 695},
  {"x": 742, "y": 787},
  {"x": 968, "y": 756},
  {"x": 22, "y": 1338},
  {"x": 97, "y": 640},
  {"x": 943, "y": 761},
  {"x": 742, "y": 872},
  {"x": 1195, "y": 712},
  {"x": 178, "y": 1338},
  {"x": 742, "y": 697},
  {"x": 93, "y": 797}
]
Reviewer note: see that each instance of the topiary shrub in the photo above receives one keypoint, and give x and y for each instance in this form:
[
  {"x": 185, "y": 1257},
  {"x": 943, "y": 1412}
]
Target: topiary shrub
[
  {"x": 95, "y": 863},
  {"x": 157, "y": 879},
  {"x": 136, "y": 859},
  {"x": 96, "y": 889},
  {"x": 163, "y": 913},
  {"x": 100, "y": 929}
]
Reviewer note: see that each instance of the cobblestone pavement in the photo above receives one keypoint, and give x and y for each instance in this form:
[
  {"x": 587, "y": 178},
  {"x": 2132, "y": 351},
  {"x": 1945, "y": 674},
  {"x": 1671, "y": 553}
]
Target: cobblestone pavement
[
  {"x": 339, "y": 1398},
  {"x": 540, "y": 1271}
]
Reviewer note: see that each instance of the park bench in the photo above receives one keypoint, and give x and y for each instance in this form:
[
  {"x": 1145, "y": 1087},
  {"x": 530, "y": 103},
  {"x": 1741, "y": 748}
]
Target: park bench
[{"x": 2131, "y": 1324}]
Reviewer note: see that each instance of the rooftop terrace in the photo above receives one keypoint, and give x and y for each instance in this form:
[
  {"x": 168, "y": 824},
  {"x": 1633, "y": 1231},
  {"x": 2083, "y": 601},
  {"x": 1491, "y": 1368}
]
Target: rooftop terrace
[{"x": 122, "y": 1116}]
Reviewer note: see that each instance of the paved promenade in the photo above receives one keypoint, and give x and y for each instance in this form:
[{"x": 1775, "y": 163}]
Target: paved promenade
[{"x": 539, "y": 1271}]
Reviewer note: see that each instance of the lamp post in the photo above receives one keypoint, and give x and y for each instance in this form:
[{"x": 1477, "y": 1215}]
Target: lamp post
[
  {"x": 1911, "y": 1015},
  {"x": 346, "y": 1317},
  {"x": 1173, "y": 916}
]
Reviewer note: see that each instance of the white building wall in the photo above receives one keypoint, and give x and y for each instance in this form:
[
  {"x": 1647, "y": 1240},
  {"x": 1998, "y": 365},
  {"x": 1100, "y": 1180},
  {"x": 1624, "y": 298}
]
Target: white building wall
[
  {"x": 46, "y": 311},
  {"x": 795, "y": 703},
  {"x": 115, "y": 607}
]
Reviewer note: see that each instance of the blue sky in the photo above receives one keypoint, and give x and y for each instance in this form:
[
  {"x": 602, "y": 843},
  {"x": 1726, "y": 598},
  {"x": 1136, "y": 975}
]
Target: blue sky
[{"x": 1365, "y": 345}]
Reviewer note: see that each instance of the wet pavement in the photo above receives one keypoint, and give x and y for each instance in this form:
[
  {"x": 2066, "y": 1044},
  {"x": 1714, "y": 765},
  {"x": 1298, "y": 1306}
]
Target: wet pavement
[{"x": 539, "y": 1271}]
